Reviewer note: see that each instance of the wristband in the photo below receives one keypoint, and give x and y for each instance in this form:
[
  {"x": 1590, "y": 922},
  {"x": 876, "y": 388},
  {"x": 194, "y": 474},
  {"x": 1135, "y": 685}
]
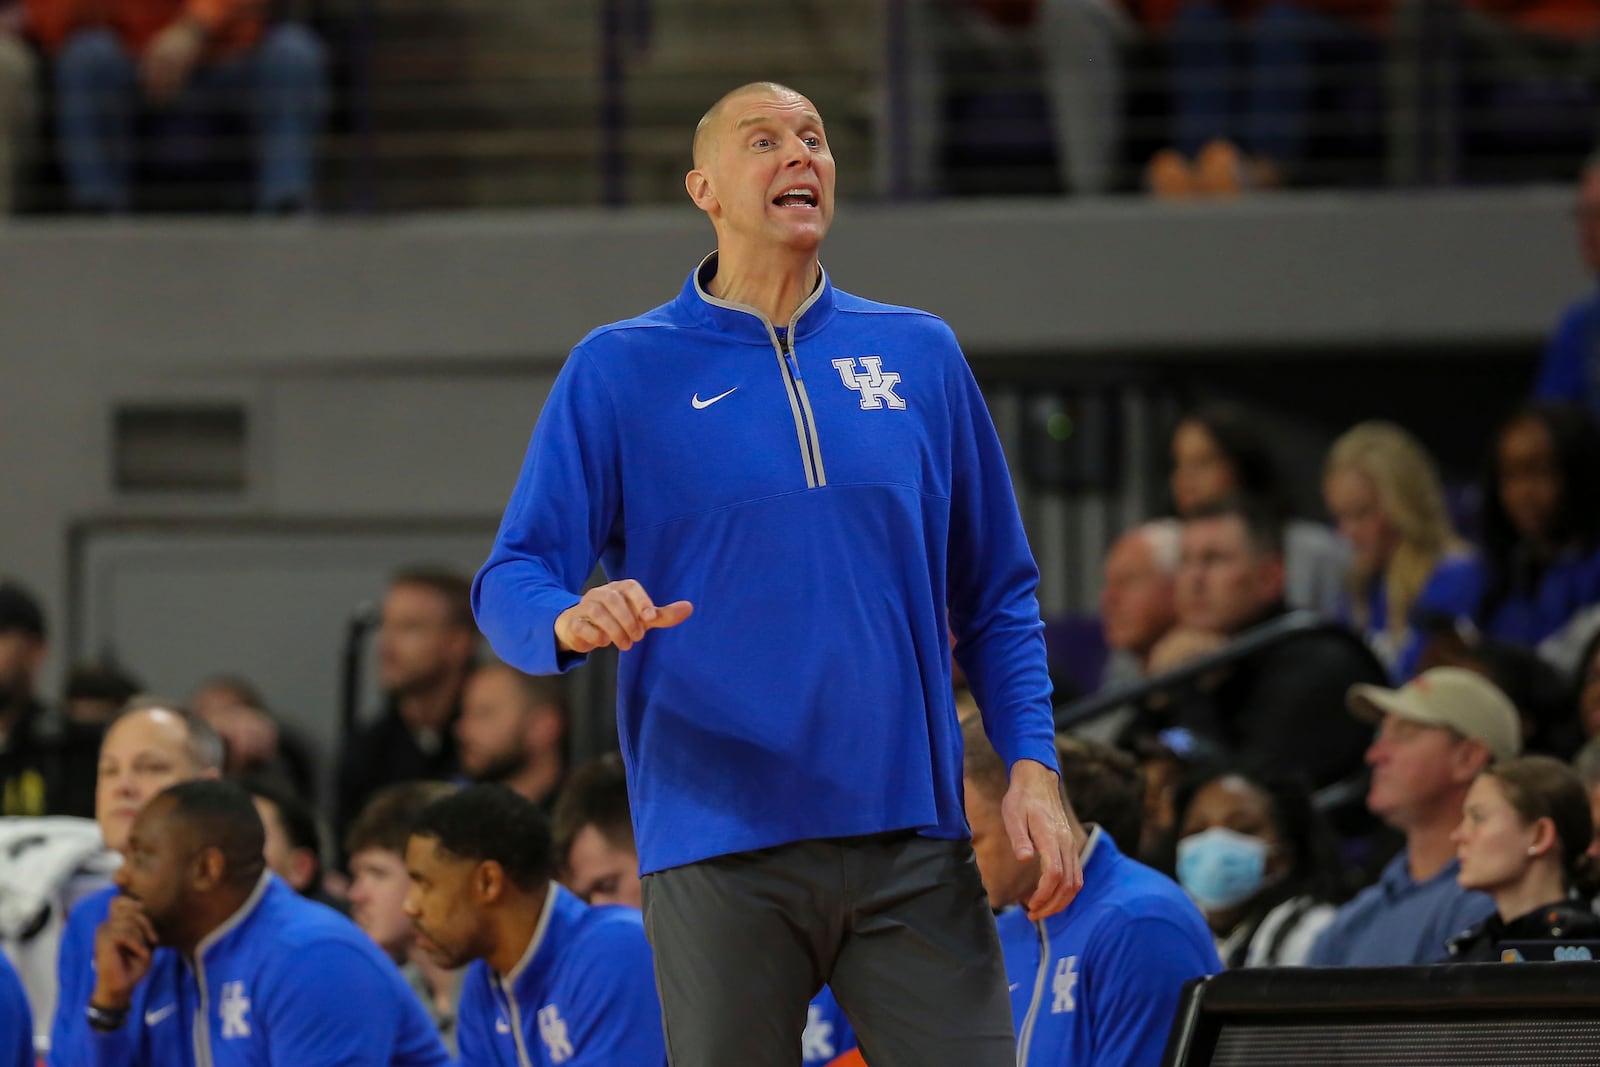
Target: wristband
[{"x": 105, "y": 1019}]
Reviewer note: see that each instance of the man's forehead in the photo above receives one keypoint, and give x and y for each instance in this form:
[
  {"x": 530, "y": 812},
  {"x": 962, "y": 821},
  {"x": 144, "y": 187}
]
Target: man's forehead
[
  {"x": 753, "y": 108},
  {"x": 150, "y": 723}
]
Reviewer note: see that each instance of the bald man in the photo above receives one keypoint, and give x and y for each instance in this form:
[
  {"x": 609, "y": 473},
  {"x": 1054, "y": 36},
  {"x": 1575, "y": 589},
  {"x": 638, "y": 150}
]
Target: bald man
[
  {"x": 791, "y": 489},
  {"x": 269, "y": 979},
  {"x": 149, "y": 746}
]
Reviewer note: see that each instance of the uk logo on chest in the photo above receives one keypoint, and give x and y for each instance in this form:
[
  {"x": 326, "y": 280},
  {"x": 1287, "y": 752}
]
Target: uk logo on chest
[{"x": 865, "y": 374}]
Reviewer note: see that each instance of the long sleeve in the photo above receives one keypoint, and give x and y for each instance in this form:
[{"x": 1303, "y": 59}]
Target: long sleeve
[
  {"x": 993, "y": 587},
  {"x": 561, "y": 516}
]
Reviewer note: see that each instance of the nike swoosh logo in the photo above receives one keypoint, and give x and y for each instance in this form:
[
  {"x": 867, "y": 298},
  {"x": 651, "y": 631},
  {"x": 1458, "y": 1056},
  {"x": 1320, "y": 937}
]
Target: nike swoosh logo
[
  {"x": 501, "y": 1026},
  {"x": 153, "y": 1017},
  {"x": 701, "y": 405},
  {"x": 1013, "y": 987}
]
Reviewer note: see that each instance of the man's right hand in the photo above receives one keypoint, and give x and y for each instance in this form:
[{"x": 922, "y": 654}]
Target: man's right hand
[
  {"x": 123, "y": 948},
  {"x": 617, "y": 613}
]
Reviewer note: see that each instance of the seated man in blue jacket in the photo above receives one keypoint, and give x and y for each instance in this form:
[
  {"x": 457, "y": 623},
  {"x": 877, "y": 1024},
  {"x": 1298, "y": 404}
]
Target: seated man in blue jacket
[
  {"x": 268, "y": 978},
  {"x": 552, "y": 979},
  {"x": 1097, "y": 984},
  {"x": 16, "y": 1021}
]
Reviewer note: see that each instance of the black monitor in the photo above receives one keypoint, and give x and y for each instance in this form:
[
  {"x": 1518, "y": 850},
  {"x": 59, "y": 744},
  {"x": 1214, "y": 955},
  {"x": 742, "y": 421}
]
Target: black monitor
[{"x": 1461, "y": 1015}]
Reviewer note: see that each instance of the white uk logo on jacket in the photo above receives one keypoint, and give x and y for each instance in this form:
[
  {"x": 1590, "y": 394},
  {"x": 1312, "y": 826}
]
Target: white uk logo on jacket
[
  {"x": 1066, "y": 980},
  {"x": 233, "y": 1007},
  {"x": 553, "y": 1031},
  {"x": 876, "y": 387}
]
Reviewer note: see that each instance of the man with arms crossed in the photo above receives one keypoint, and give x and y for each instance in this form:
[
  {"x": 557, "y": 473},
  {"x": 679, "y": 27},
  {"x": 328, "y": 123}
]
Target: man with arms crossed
[{"x": 795, "y": 488}]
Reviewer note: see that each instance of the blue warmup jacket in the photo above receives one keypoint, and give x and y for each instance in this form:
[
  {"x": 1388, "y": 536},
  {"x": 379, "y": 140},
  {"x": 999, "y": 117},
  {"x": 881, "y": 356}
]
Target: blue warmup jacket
[
  {"x": 285, "y": 983},
  {"x": 1097, "y": 985},
  {"x": 1570, "y": 369},
  {"x": 583, "y": 995},
  {"x": 16, "y": 1021},
  {"x": 1451, "y": 591},
  {"x": 821, "y": 494}
]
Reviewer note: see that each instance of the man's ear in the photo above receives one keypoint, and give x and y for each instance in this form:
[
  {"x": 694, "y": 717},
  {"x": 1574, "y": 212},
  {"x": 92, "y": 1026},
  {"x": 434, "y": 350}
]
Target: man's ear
[
  {"x": 208, "y": 870},
  {"x": 489, "y": 882},
  {"x": 302, "y": 868},
  {"x": 698, "y": 184}
]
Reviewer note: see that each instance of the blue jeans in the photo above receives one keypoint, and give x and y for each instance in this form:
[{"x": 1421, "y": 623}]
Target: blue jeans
[
  {"x": 1267, "y": 110},
  {"x": 280, "y": 86}
]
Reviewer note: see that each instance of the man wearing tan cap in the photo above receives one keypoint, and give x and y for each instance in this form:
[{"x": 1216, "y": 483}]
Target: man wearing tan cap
[{"x": 1434, "y": 735}]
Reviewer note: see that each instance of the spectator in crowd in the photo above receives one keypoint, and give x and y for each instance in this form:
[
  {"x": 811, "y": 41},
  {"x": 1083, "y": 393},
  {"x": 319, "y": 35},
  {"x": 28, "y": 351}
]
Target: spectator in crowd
[
  {"x": 1540, "y": 693},
  {"x": 16, "y": 1021},
  {"x": 93, "y": 693},
  {"x": 179, "y": 66},
  {"x": 1218, "y": 453},
  {"x": 427, "y": 642},
  {"x": 1540, "y": 568},
  {"x": 1435, "y": 735},
  {"x": 1244, "y": 79},
  {"x": 547, "y": 971},
  {"x": 19, "y": 101},
  {"x": 1570, "y": 370},
  {"x": 290, "y": 981},
  {"x": 1586, "y": 764},
  {"x": 1097, "y": 983},
  {"x": 1587, "y": 678},
  {"x": 376, "y": 845},
  {"x": 593, "y": 831},
  {"x": 44, "y": 769},
  {"x": 1382, "y": 490},
  {"x": 148, "y": 747},
  {"x": 294, "y": 840},
  {"x": 1282, "y": 705},
  {"x": 1137, "y": 610},
  {"x": 1075, "y": 46},
  {"x": 1524, "y": 839},
  {"x": 258, "y": 744},
  {"x": 1258, "y": 860},
  {"x": 512, "y": 731}
]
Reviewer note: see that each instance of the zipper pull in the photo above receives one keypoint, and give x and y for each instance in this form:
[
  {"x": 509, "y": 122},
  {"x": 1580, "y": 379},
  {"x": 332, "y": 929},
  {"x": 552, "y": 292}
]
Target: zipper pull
[{"x": 794, "y": 364}]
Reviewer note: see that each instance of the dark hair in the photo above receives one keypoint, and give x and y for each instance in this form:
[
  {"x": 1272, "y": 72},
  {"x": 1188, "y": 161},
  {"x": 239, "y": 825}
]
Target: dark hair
[
  {"x": 490, "y": 823},
  {"x": 206, "y": 748},
  {"x": 1314, "y": 868},
  {"x": 299, "y": 821},
  {"x": 222, "y": 816},
  {"x": 243, "y": 690},
  {"x": 1262, "y": 520},
  {"x": 386, "y": 820},
  {"x": 1255, "y": 472},
  {"x": 980, "y": 763},
  {"x": 1542, "y": 787},
  {"x": 103, "y": 680},
  {"x": 452, "y": 586},
  {"x": 1591, "y": 647},
  {"x": 1106, "y": 787},
  {"x": 1576, "y": 443},
  {"x": 595, "y": 794}
]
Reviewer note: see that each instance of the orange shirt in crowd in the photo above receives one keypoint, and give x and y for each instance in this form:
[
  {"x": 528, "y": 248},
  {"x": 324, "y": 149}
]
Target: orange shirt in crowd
[
  {"x": 232, "y": 25},
  {"x": 1573, "y": 19}
]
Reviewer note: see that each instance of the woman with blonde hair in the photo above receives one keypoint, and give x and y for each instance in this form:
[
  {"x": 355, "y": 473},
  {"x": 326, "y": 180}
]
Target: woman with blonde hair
[{"x": 1383, "y": 491}]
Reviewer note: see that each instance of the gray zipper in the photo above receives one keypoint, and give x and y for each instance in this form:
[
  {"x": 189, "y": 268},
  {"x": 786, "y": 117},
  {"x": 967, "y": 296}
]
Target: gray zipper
[
  {"x": 523, "y": 1059},
  {"x": 201, "y": 1030},
  {"x": 1025, "y": 1038},
  {"x": 805, "y": 421}
]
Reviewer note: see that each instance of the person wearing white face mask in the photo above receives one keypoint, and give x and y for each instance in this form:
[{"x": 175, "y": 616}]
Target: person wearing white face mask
[{"x": 1254, "y": 856}]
